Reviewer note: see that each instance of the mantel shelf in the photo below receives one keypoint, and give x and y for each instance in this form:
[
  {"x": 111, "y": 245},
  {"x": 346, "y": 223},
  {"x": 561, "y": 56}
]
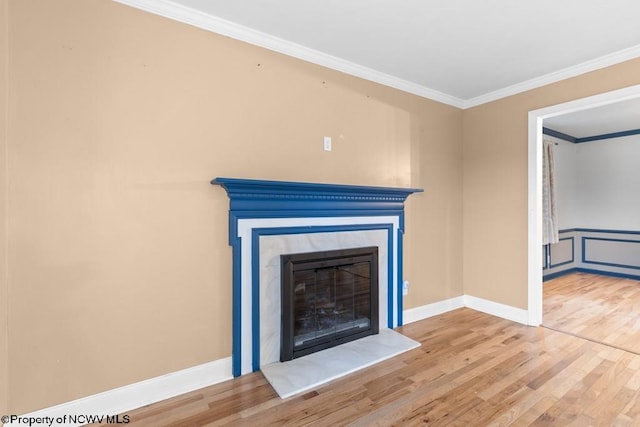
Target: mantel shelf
[{"x": 261, "y": 195}]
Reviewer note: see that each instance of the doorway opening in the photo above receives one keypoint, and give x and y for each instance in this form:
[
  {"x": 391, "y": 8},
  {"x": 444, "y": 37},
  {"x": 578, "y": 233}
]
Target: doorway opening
[{"x": 535, "y": 252}]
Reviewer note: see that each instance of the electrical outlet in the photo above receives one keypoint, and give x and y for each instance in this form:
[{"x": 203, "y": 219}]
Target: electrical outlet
[{"x": 405, "y": 287}]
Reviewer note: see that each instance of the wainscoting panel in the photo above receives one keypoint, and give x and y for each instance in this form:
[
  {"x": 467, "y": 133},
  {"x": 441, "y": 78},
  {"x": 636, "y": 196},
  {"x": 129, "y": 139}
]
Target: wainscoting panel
[
  {"x": 612, "y": 252},
  {"x": 562, "y": 256},
  {"x": 562, "y": 253}
]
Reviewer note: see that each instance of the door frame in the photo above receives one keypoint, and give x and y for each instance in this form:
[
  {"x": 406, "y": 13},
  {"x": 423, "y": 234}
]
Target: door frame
[{"x": 536, "y": 119}]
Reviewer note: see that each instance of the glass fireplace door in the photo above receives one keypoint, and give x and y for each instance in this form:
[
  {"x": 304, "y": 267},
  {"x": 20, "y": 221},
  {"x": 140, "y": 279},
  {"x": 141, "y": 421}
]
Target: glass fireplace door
[{"x": 328, "y": 298}]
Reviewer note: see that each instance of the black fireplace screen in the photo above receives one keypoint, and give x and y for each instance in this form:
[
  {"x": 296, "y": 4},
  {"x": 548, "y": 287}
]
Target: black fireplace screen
[{"x": 328, "y": 298}]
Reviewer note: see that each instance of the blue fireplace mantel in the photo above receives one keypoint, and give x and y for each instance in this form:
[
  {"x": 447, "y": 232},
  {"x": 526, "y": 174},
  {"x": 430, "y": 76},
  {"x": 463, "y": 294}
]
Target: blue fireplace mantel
[
  {"x": 251, "y": 199},
  {"x": 285, "y": 198}
]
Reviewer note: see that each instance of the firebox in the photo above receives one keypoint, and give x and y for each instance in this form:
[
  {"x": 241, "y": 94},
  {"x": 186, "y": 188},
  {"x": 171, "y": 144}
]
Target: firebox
[{"x": 328, "y": 298}]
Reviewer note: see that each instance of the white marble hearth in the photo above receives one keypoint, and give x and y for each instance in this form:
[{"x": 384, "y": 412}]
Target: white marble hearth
[{"x": 305, "y": 373}]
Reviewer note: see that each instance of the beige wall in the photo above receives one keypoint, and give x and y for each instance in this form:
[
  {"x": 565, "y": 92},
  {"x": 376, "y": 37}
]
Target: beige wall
[
  {"x": 4, "y": 305},
  {"x": 495, "y": 181},
  {"x": 118, "y": 256},
  {"x": 433, "y": 232}
]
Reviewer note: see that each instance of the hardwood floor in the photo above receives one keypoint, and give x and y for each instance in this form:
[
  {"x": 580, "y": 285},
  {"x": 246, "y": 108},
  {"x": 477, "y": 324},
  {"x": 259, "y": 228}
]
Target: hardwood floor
[
  {"x": 472, "y": 369},
  {"x": 599, "y": 308}
]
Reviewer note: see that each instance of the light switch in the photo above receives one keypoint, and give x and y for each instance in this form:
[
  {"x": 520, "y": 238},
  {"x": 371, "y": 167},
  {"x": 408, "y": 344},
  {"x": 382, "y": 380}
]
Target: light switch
[{"x": 327, "y": 143}]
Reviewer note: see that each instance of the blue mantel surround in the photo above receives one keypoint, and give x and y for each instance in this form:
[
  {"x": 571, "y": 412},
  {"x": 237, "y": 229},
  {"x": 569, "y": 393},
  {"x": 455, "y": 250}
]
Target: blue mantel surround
[
  {"x": 283, "y": 197},
  {"x": 254, "y": 199}
]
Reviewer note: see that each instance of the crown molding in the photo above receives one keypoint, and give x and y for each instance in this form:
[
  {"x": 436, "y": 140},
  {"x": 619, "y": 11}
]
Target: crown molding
[
  {"x": 196, "y": 18},
  {"x": 186, "y": 15},
  {"x": 559, "y": 135},
  {"x": 573, "y": 71}
]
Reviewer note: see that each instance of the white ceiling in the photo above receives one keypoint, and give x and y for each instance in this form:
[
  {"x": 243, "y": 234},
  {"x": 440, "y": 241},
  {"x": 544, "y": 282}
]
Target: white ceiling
[
  {"x": 460, "y": 52},
  {"x": 611, "y": 118}
]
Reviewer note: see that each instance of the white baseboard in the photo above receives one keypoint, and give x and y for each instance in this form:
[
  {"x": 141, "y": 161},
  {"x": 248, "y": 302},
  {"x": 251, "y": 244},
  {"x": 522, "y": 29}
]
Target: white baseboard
[
  {"x": 127, "y": 398},
  {"x": 494, "y": 308},
  {"x": 123, "y": 399},
  {"x": 430, "y": 310}
]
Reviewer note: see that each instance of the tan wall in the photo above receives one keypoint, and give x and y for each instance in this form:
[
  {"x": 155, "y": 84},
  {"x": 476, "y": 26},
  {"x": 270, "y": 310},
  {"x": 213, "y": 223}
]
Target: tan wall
[
  {"x": 433, "y": 232},
  {"x": 4, "y": 305},
  {"x": 495, "y": 181},
  {"x": 118, "y": 254}
]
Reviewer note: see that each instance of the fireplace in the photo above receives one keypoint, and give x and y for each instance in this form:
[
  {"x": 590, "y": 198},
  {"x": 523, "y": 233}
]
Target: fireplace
[
  {"x": 271, "y": 218},
  {"x": 328, "y": 298}
]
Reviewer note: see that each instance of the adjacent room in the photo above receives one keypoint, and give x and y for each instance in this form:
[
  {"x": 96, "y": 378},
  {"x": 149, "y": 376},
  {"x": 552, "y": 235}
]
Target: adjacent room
[{"x": 591, "y": 273}]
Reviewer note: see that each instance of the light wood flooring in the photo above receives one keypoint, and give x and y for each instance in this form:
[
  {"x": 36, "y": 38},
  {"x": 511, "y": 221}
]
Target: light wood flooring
[
  {"x": 472, "y": 369},
  {"x": 600, "y": 308}
]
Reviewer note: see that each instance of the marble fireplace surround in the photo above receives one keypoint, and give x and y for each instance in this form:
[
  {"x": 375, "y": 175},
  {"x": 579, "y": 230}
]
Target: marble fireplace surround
[{"x": 271, "y": 218}]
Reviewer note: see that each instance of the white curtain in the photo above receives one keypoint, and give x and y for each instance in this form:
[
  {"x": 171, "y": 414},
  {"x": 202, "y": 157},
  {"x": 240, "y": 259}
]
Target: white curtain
[{"x": 549, "y": 213}]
